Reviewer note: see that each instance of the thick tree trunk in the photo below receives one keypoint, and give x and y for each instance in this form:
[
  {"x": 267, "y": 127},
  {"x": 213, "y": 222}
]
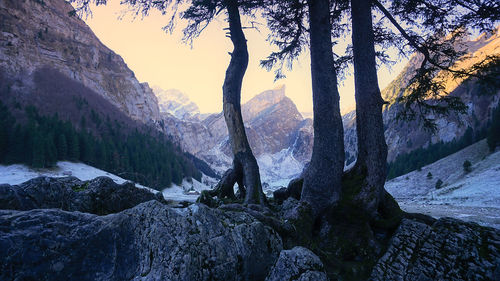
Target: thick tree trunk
[
  {"x": 322, "y": 179},
  {"x": 372, "y": 148},
  {"x": 244, "y": 163}
]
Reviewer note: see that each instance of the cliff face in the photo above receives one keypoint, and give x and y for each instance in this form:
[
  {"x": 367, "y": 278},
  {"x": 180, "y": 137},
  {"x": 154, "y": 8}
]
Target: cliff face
[
  {"x": 403, "y": 136},
  {"x": 38, "y": 34}
]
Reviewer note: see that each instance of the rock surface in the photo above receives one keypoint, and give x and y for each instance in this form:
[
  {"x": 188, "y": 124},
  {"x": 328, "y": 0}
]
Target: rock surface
[
  {"x": 97, "y": 230},
  {"x": 148, "y": 242},
  {"x": 99, "y": 196},
  {"x": 446, "y": 250},
  {"x": 298, "y": 263},
  {"x": 42, "y": 34}
]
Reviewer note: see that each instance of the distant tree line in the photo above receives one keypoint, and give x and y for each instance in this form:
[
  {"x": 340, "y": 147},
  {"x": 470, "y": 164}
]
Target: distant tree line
[
  {"x": 144, "y": 157},
  {"x": 416, "y": 159}
]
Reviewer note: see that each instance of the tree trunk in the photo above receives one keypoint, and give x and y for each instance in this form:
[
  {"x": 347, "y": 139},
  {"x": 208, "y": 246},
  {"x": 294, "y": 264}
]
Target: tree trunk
[
  {"x": 244, "y": 163},
  {"x": 372, "y": 148},
  {"x": 322, "y": 179}
]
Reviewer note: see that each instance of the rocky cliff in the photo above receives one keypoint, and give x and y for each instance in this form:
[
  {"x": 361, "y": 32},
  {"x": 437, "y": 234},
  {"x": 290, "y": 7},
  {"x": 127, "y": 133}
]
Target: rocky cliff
[{"x": 41, "y": 34}]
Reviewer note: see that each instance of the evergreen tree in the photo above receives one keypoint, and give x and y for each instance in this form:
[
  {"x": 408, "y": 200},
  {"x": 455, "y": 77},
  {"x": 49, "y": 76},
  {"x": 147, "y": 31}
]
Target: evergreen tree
[
  {"x": 38, "y": 151},
  {"x": 62, "y": 147},
  {"x": 467, "y": 166},
  {"x": 493, "y": 138}
]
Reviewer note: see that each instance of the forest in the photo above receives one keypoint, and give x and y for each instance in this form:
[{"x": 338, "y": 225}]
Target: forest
[{"x": 145, "y": 157}]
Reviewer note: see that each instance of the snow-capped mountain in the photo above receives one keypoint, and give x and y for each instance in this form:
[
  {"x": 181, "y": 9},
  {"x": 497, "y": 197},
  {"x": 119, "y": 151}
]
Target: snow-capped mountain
[
  {"x": 176, "y": 103},
  {"x": 280, "y": 137}
]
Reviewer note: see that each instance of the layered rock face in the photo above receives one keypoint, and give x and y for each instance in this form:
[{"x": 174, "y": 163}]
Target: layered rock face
[
  {"x": 445, "y": 250},
  {"x": 38, "y": 34}
]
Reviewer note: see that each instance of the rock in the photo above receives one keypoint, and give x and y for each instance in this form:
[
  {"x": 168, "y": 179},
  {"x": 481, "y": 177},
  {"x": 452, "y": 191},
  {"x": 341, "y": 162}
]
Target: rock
[
  {"x": 148, "y": 242},
  {"x": 295, "y": 188},
  {"x": 40, "y": 34},
  {"x": 298, "y": 263},
  {"x": 281, "y": 195},
  {"x": 446, "y": 250},
  {"x": 98, "y": 196}
]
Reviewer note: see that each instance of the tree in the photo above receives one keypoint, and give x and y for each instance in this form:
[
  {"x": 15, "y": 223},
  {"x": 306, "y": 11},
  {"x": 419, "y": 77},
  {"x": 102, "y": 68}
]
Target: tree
[
  {"x": 288, "y": 21},
  {"x": 467, "y": 166},
  {"x": 439, "y": 184},
  {"x": 493, "y": 137},
  {"x": 426, "y": 94},
  {"x": 372, "y": 148},
  {"x": 62, "y": 147},
  {"x": 199, "y": 14}
]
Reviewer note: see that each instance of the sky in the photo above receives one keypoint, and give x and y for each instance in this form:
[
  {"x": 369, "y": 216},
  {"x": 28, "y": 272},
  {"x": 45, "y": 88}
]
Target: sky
[{"x": 162, "y": 59}]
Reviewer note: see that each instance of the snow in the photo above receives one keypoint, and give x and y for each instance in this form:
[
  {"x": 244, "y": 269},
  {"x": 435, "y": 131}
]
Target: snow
[
  {"x": 473, "y": 196},
  {"x": 276, "y": 170},
  {"x": 189, "y": 191},
  {"x": 17, "y": 174}
]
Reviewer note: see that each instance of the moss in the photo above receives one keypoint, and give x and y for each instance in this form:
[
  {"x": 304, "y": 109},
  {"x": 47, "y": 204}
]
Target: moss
[{"x": 79, "y": 188}]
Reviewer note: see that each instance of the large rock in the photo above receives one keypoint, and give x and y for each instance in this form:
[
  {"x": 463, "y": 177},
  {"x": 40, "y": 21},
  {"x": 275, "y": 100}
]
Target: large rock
[
  {"x": 446, "y": 250},
  {"x": 148, "y": 242},
  {"x": 298, "y": 263},
  {"x": 98, "y": 196}
]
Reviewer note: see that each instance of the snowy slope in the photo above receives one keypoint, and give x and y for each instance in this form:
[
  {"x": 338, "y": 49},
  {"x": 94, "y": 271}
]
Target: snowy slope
[
  {"x": 17, "y": 174},
  {"x": 471, "y": 196}
]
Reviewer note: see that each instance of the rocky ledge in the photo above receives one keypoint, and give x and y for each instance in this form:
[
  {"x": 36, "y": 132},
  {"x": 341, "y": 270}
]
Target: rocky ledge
[{"x": 57, "y": 229}]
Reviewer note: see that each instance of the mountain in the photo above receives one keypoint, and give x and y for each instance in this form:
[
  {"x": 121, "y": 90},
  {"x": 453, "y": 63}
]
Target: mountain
[
  {"x": 176, "y": 103},
  {"x": 66, "y": 96},
  {"x": 280, "y": 137},
  {"x": 402, "y": 136},
  {"x": 472, "y": 195},
  {"x": 38, "y": 35}
]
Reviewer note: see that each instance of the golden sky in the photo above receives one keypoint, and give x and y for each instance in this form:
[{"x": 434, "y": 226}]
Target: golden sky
[{"x": 162, "y": 59}]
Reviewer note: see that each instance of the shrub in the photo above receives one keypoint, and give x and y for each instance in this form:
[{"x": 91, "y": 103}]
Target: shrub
[
  {"x": 439, "y": 184},
  {"x": 429, "y": 175},
  {"x": 467, "y": 166}
]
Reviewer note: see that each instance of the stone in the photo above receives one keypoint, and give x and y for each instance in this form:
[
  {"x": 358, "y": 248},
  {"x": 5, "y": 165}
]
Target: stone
[
  {"x": 151, "y": 241},
  {"x": 448, "y": 249},
  {"x": 98, "y": 196},
  {"x": 298, "y": 263}
]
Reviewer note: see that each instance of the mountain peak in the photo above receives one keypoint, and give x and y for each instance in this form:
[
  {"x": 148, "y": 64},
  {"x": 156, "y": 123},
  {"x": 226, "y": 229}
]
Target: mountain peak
[
  {"x": 262, "y": 101},
  {"x": 176, "y": 103}
]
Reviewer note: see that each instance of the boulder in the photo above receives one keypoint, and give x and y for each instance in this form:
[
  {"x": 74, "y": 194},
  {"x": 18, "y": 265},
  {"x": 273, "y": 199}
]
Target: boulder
[
  {"x": 298, "y": 263},
  {"x": 98, "y": 196},
  {"x": 294, "y": 190},
  {"x": 151, "y": 241},
  {"x": 448, "y": 249}
]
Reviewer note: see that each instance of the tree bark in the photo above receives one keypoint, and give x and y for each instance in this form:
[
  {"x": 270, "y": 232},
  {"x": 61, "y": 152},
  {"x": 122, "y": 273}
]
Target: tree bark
[
  {"x": 244, "y": 162},
  {"x": 322, "y": 179},
  {"x": 372, "y": 148}
]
